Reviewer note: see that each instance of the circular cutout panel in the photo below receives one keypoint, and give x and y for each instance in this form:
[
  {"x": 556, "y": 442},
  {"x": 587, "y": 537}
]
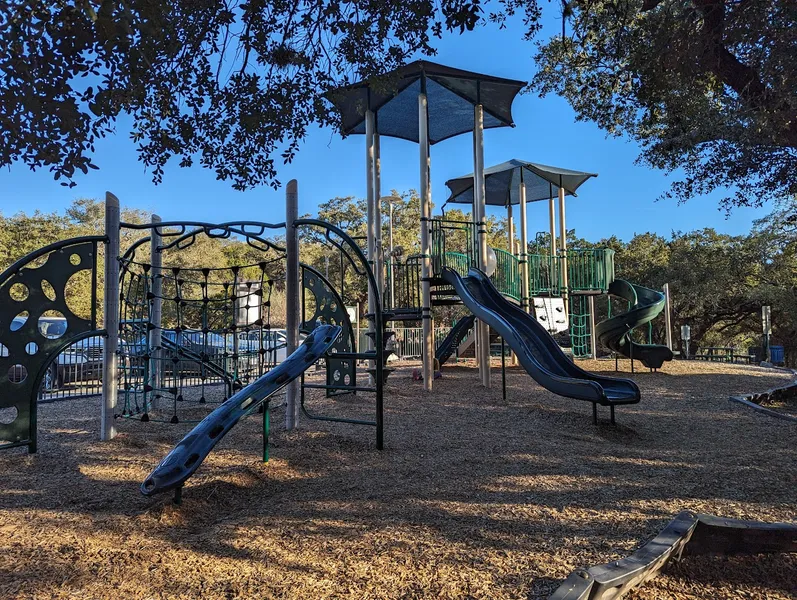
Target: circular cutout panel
[
  {"x": 77, "y": 294},
  {"x": 8, "y": 415},
  {"x": 19, "y": 292},
  {"x": 52, "y": 325},
  {"x": 17, "y": 373},
  {"x": 75, "y": 259},
  {"x": 32, "y": 348}
]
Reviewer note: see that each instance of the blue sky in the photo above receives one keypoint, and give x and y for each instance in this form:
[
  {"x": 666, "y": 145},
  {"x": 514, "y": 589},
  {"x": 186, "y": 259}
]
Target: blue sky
[{"x": 620, "y": 201}]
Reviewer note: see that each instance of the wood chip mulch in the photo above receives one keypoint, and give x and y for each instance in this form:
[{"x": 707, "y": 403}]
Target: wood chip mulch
[{"x": 473, "y": 496}]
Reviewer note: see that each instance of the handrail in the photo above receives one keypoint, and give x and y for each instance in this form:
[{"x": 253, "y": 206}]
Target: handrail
[
  {"x": 588, "y": 270},
  {"x": 506, "y": 278}
]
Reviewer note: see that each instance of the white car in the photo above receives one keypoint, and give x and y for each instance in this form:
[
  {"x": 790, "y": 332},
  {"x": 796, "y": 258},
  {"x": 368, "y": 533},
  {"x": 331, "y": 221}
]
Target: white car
[
  {"x": 274, "y": 342},
  {"x": 79, "y": 361}
]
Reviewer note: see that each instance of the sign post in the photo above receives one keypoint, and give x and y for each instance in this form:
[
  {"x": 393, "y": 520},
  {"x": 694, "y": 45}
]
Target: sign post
[{"x": 685, "y": 336}]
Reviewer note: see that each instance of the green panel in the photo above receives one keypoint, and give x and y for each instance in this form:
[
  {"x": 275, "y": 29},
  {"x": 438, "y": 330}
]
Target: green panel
[
  {"x": 507, "y": 275},
  {"x": 329, "y": 310},
  {"x": 543, "y": 274},
  {"x": 590, "y": 270},
  {"x": 28, "y": 347}
]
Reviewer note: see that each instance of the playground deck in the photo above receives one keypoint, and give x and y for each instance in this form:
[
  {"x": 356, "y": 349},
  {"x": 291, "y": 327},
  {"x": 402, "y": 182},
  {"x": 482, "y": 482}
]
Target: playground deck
[{"x": 473, "y": 496}]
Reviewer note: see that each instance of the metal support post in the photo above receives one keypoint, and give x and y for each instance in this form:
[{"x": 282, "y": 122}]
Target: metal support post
[
  {"x": 370, "y": 230},
  {"x": 503, "y": 367},
  {"x": 563, "y": 245},
  {"x": 524, "y": 248},
  {"x": 156, "y": 309},
  {"x": 379, "y": 256},
  {"x": 593, "y": 340},
  {"x": 426, "y": 249},
  {"x": 668, "y": 314},
  {"x": 479, "y": 201},
  {"x": 291, "y": 296},
  {"x": 111, "y": 319}
]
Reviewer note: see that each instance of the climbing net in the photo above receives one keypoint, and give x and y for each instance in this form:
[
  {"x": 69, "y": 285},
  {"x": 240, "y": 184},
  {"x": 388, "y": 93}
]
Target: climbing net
[
  {"x": 580, "y": 331},
  {"x": 189, "y": 334}
]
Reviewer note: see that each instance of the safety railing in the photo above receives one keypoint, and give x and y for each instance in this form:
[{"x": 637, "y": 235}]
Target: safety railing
[
  {"x": 506, "y": 278},
  {"x": 456, "y": 261},
  {"x": 590, "y": 270},
  {"x": 406, "y": 279},
  {"x": 447, "y": 237},
  {"x": 544, "y": 274}
]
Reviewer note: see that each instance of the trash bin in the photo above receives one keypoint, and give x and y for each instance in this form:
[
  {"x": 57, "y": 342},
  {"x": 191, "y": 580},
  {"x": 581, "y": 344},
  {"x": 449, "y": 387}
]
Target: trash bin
[
  {"x": 757, "y": 353},
  {"x": 777, "y": 354}
]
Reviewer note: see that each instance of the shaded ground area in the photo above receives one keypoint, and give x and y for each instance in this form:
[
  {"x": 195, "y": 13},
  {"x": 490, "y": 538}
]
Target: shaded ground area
[{"x": 473, "y": 497}]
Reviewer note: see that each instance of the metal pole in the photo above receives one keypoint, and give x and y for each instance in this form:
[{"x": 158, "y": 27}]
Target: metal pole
[
  {"x": 563, "y": 244},
  {"x": 593, "y": 342},
  {"x": 379, "y": 257},
  {"x": 156, "y": 314},
  {"x": 291, "y": 296},
  {"x": 370, "y": 229},
  {"x": 524, "y": 248},
  {"x": 510, "y": 226},
  {"x": 503, "y": 368},
  {"x": 111, "y": 318},
  {"x": 426, "y": 250},
  {"x": 479, "y": 193},
  {"x": 552, "y": 219},
  {"x": 668, "y": 314},
  {"x": 391, "y": 260}
]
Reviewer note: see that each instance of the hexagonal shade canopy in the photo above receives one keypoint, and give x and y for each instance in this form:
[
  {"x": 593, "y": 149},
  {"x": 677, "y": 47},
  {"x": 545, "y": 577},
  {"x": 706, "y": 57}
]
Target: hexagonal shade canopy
[
  {"x": 502, "y": 183},
  {"x": 451, "y": 94}
]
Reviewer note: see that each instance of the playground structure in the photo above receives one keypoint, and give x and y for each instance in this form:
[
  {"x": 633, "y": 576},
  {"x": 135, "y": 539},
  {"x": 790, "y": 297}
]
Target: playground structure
[
  {"x": 160, "y": 318},
  {"x": 165, "y": 321},
  {"x": 552, "y": 286}
]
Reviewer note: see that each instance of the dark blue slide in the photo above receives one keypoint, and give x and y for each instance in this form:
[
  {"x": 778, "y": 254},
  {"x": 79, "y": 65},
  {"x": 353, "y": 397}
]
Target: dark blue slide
[
  {"x": 173, "y": 471},
  {"x": 536, "y": 350},
  {"x": 454, "y": 338}
]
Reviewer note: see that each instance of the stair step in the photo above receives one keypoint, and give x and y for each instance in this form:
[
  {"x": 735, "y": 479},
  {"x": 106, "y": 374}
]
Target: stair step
[{"x": 386, "y": 371}]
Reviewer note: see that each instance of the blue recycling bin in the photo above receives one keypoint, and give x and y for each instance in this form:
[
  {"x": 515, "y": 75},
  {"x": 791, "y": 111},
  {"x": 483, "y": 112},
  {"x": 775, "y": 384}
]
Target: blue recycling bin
[{"x": 777, "y": 354}]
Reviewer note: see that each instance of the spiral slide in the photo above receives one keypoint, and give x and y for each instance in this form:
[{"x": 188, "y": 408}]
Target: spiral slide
[
  {"x": 175, "y": 469},
  {"x": 615, "y": 332},
  {"x": 536, "y": 350}
]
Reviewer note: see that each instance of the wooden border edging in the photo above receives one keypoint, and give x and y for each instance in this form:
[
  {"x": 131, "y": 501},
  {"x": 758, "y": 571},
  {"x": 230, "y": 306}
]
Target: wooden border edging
[{"x": 688, "y": 533}]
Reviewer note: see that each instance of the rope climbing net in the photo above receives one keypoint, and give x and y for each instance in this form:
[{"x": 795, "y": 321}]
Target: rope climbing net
[{"x": 185, "y": 329}]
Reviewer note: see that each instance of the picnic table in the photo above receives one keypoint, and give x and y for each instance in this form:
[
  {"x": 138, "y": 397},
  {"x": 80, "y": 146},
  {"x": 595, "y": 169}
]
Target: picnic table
[{"x": 727, "y": 354}]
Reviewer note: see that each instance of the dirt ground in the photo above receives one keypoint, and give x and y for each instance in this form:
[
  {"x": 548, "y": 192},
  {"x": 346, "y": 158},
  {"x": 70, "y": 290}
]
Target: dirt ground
[{"x": 473, "y": 496}]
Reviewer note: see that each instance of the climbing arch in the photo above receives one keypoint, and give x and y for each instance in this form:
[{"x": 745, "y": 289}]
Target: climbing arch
[
  {"x": 321, "y": 304},
  {"x": 36, "y": 324}
]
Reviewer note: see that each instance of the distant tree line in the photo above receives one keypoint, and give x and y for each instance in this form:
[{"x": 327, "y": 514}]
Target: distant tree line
[{"x": 718, "y": 282}]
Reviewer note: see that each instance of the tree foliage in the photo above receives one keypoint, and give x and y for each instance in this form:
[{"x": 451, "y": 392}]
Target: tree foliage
[
  {"x": 230, "y": 84},
  {"x": 707, "y": 86}
]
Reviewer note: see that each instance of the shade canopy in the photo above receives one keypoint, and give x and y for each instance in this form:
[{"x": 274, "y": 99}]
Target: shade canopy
[
  {"x": 451, "y": 95},
  {"x": 502, "y": 183}
]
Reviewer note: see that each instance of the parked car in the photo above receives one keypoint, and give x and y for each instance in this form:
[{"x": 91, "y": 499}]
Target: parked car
[
  {"x": 274, "y": 341},
  {"x": 78, "y": 362}
]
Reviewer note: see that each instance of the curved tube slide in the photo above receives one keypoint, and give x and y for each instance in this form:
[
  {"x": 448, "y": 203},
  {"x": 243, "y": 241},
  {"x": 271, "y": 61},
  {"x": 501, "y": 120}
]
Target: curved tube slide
[
  {"x": 615, "y": 332},
  {"x": 688, "y": 533},
  {"x": 454, "y": 339},
  {"x": 536, "y": 350},
  {"x": 177, "y": 466}
]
